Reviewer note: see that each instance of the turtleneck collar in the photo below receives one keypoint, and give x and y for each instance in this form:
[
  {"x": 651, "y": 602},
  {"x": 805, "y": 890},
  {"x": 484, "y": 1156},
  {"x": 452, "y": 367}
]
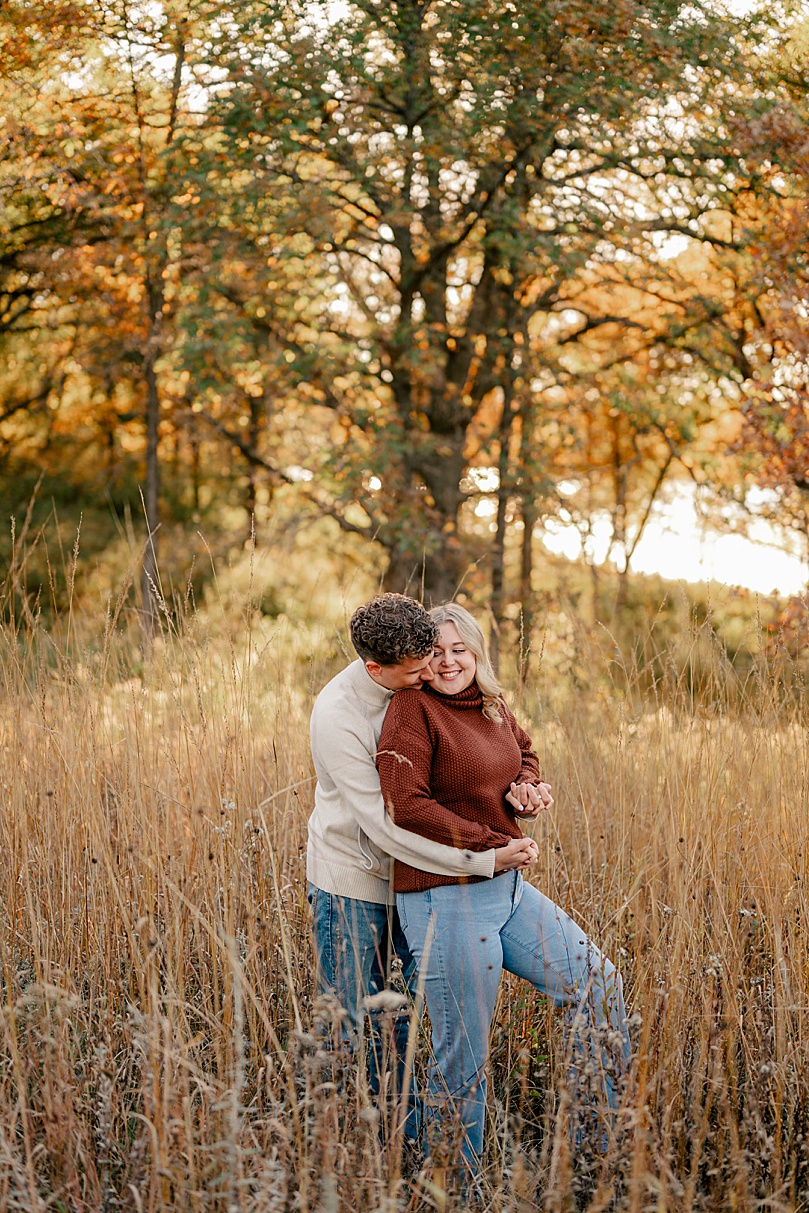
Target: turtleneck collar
[
  {"x": 369, "y": 690},
  {"x": 470, "y": 697}
]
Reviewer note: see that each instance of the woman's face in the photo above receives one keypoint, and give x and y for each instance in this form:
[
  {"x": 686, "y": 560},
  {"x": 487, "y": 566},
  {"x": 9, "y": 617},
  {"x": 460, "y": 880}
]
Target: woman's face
[{"x": 453, "y": 665}]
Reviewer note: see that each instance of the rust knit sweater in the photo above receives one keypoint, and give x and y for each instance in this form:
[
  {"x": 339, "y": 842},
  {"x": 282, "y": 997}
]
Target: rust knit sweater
[{"x": 445, "y": 768}]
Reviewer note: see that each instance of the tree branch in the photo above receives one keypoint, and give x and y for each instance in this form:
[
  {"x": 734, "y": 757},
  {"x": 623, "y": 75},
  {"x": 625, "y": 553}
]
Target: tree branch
[{"x": 322, "y": 507}]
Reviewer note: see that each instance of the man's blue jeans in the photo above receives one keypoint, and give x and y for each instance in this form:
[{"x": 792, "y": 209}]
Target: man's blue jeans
[
  {"x": 358, "y": 944},
  {"x": 462, "y": 937}
]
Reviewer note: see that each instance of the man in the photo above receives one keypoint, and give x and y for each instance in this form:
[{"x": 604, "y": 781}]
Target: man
[{"x": 351, "y": 837}]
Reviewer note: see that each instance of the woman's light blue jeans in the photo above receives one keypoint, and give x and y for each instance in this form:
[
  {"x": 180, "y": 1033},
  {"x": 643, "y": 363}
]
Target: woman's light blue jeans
[{"x": 462, "y": 937}]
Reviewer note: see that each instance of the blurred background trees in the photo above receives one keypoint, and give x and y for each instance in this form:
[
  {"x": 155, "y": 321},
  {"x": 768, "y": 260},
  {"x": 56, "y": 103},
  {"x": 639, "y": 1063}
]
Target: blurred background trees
[{"x": 437, "y": 273}]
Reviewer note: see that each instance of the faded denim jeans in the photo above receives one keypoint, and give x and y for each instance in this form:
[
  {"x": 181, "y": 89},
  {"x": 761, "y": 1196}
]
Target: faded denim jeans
[
  {"x": 358, "y": 945},
  {"x": 462, "y": 937}
]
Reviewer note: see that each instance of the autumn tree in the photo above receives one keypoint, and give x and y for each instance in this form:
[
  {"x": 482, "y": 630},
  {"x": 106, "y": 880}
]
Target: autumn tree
[
  {"x": 457, "y": 167},
  {"x": 774, "y": 442},
  {"x": 38, "y": 217},
  {"x": 405, "y": 261},
  {"x": 106, "y": 116}
]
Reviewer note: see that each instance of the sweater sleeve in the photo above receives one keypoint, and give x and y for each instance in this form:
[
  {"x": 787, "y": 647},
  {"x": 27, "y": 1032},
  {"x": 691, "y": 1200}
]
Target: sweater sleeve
[
  {"x": 404, "y": 773},
  {"x": 529, "y": 766},
  {"x": 341, "y": 752}
]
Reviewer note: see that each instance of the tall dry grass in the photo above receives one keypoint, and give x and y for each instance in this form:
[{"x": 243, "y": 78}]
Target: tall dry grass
[{"x": 157, "y": 996}]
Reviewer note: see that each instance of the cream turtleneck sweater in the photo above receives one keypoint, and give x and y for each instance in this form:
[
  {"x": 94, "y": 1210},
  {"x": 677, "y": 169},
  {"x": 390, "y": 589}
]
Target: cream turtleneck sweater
[{"x": 352, "y": 840}]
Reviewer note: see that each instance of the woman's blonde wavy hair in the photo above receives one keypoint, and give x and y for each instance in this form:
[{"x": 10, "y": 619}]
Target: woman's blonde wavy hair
[{"x": 470, "y": 633}]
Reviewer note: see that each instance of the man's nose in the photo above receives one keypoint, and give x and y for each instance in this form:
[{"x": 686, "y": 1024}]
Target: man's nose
[{"x": 426, "y": 674}]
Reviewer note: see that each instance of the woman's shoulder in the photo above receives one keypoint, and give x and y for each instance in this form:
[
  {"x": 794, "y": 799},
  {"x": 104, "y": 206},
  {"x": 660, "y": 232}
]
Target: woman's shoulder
[
  {"x": 512, "y": 721},
  {"x": 408, "y": 704}
]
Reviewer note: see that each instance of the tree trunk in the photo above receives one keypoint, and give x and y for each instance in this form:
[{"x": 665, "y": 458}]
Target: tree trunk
[
  {"x": 149, "y": 573},
  {"x": 595, "y": 583},
  {"x": 195, "y": 467},
  {"x": 530, "y": 514},
  {"x": 430, "y": 579},
  {"x": 498, "y": 598},
  {"x": 528, "y": 478},
  {"x": 156, "y": 298},
  {"x": 622, "y": 590},
  {"x": 251, "y": 494}
]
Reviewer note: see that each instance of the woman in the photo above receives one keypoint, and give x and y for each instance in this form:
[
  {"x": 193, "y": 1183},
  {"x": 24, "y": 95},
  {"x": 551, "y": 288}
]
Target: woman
[{"x": 456, "y": 767}]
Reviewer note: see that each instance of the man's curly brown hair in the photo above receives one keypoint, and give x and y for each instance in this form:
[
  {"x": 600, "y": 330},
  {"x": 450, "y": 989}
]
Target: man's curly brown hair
[{"x": 390, "y": 628}]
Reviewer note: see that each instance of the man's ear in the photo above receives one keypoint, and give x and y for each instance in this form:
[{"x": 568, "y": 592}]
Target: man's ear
[{"x": 373, "y": 668}]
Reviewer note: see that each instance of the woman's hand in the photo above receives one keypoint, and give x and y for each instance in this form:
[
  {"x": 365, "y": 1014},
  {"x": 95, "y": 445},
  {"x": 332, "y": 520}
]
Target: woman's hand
[
  {"x": 527, "y": 799},
  {"x": 518, "y": 854}
]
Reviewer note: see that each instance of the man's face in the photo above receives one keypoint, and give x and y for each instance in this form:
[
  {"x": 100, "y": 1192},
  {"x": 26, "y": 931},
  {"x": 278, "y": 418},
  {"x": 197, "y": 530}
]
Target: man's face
[{"x": 411, "y": 672}]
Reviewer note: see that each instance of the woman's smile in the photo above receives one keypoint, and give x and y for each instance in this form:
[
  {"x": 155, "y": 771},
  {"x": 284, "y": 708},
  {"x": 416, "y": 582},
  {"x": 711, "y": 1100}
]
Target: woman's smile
[{"x": 453, "y": 666}]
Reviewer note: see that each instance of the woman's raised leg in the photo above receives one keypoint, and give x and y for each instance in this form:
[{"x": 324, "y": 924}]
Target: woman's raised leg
[{"x": 544, "y": 945}]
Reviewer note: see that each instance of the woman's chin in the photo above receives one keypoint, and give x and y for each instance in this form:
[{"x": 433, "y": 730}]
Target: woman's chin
[{"x": 448, "y": 687}]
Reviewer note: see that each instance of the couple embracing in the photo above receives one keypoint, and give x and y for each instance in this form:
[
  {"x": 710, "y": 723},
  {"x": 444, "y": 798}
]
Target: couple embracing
[{"x": 416, "y": 851}]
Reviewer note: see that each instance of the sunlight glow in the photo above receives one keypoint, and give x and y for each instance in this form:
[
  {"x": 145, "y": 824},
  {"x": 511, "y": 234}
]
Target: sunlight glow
[
  {"x": 679, "y": 545},
  {"x": 483, "y": 480}
]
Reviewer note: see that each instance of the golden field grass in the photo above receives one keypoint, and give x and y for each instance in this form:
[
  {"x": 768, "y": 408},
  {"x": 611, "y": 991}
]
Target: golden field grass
[{"x": 157, "y": 974}]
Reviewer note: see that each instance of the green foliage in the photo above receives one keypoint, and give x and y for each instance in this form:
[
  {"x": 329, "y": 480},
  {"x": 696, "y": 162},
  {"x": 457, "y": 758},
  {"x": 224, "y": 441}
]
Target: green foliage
[{"x": 373, "y": 256}]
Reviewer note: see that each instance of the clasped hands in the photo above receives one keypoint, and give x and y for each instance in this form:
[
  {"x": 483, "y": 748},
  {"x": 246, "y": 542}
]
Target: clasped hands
[{"x": 526, "y": 799}]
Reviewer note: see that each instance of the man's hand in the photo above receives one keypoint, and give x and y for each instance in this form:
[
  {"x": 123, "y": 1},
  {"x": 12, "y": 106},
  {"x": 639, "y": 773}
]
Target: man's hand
[
  {"x": 518, "y": 854},
  {"x": 528, "y": 799}
]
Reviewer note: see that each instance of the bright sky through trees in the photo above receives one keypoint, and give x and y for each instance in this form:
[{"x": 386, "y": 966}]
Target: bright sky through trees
[{"x": 680, "y": 544}]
